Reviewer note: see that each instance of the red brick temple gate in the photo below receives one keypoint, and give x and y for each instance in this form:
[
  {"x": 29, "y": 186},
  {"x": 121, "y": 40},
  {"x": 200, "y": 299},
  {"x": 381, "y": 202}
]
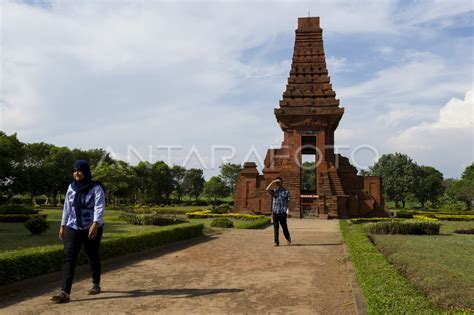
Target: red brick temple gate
[{"x": 309, "y": 114}]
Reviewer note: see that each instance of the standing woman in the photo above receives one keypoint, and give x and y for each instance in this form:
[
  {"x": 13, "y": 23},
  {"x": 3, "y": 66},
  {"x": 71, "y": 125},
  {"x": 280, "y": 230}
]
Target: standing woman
[{"x": 82, "y": 225}]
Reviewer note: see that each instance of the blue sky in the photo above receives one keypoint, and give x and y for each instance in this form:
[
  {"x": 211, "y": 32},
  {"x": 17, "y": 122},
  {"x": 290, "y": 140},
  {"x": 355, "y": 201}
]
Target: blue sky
[{"x": 205, "y": 76}]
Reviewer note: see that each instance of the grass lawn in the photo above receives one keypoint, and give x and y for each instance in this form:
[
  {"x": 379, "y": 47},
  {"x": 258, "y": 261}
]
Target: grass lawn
[
  {"x": 17, "y": 236},
  {"x": 239, "y": 224},
  {"x": 386, "y": 291},
  {"x": 442, "y": 266}
]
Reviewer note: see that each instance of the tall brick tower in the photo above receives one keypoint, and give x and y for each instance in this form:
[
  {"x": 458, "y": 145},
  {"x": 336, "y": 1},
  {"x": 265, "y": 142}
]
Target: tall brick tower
[{"x": 309, "y": 113}]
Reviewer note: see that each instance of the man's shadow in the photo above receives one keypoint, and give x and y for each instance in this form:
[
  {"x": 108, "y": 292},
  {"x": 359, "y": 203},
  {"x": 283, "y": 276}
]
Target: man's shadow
[{"x": 178, "y": 293}]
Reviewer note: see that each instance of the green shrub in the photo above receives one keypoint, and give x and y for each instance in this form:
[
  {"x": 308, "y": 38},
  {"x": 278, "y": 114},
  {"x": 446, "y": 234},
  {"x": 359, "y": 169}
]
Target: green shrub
[
  {"x": 404, "y": 214},
  {"x": 404, "y": 227},
  {"x": 386, "y": 291},
  {"x": 17, "y": 209},
  {"x": 206, "y": 214},
  {"x": 150, "y": 219},
  {"x": 20, "y": 200},
  {"x": 14, "y": 218},
  {"x": 449, "y": 217},
  {"x": 375, "y": 219},
  {"x": 222, "y": 223},
  {"x": 37, "y": 225},
  {"x": 465, "y": 231},
  {"x": 26, "y": 263},
  {"x": 255, "y": 224},
  {"x": 41, "y": 199},
  {"x": 449, "y": 212},
  {"x": 224, "y": 208}
]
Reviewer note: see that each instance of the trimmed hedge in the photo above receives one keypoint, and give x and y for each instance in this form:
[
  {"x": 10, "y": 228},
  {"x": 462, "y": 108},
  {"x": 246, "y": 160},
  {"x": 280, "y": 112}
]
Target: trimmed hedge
[
  {"x": 456, "y": 212},
  {"x": 17, "y": 209},
  {"x": 254, "y": 224},
  {"x": 383, "y": 219},
  {"x": 206, "y": 214},
  {"x": 464, "y": 231},
  {"x": 404, "y": 227},
  {"x": 369, "y": 220},
  {"x": 386, "y": 291},
  {"x": 404, "y": 214},
  {"x": 224, "y": 208},
  {"x": 222, "y": 223},
  {"x": 150, "y": 219},
  {"x": 14, "y": 218},
  {"x": 449, "y": 217},
  {"x": 26, "y": 263}
]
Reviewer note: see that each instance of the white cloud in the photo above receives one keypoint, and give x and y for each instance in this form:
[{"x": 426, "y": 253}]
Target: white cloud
[
  {"x": 448, "y": 142},
  {"x": 337, "y": 65},
  {"x": 94, "y": 74}
]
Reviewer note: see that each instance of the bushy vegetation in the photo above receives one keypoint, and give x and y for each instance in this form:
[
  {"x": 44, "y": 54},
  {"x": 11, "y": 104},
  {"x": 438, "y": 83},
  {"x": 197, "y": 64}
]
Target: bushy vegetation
[
  {"x": 412, "y": 227},
  {"x": 33, "y": 173},
  {"x": 222, "y": 223},
  {"x": 208, "y": 214},
  {"x": 464, "y": 231},
  {"x": 450, "y": 217},
  {"x": 369, "y": 220},
  {"x": 404, "y": 214},
  {"x": 150, "y": 219},
  {"x": 438, "y": 265},
  {"x": 386, "y": 291},
  {"x": 405, "y": 181},
  {"x": 14, "y": 218},
  {"x": 254, "y": 224},
  {"x": 25, "y": 263},
  {"x": 17, "y": 209},
  {"x": 37, "y": 225}
]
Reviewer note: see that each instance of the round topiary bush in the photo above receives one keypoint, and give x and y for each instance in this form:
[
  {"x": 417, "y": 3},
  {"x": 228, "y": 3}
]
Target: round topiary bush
[
  {"x": 405, "y": 214},
  {"x": 222, "y": 223},
  {"x": 37, "y": 225}
]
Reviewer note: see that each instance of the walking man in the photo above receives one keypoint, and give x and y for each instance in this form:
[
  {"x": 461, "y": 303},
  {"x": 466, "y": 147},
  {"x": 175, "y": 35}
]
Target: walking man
[
  {"x": 280, "y": 201},
  {"x": 81, "y": 225}
]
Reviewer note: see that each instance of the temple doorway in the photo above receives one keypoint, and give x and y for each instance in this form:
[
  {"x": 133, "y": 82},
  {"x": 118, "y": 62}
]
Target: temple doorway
[{"x": 308, "y": 194}]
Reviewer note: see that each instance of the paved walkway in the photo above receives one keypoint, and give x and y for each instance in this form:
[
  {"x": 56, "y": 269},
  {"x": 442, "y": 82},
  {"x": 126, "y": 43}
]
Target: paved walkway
[{"x": 237, "y": 271}]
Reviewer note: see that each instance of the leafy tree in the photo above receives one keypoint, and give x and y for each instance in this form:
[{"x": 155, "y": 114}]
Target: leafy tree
[
  {"x": 463, "y": 189},
  {"x": 94, "y": 156},
  {"x": 11, "y": 159},
  {"x": 216, "y": 188},
  {"x": 398, "y": 173},
  {"x": 364, "y": 172},
  {"x": 143, "y": 173},
  {"x": 308, "y": 176},
  {"x": 429, "y": 184},
  {"x": 193, "y": 182},
  {"x": 177, "y": 174},
  {"x": 116, "y": 177},
  {"x": 229, "y": 174},
  {"x": 36, "y": 176},
  {"x": 161, "y": 182},
  {"x": 59, "y": 166}
]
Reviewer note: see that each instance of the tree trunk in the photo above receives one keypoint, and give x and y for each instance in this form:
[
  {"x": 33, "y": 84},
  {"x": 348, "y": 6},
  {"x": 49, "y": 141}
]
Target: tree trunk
[{"x": 403, "y": 203}]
